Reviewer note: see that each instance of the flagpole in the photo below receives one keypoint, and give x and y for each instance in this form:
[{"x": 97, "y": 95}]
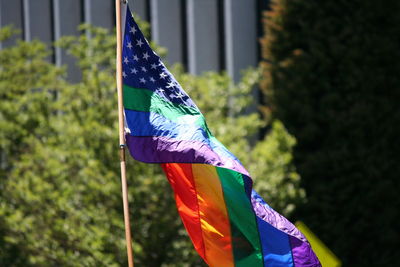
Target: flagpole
[{"x": 121, "y": 133}]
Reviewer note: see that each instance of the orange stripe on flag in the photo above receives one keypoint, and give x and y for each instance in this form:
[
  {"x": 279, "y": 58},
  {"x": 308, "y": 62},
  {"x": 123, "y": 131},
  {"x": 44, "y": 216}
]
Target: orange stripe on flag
[
  {"x": 182, "y": 182},
  {"x": 213, "y": 216}
]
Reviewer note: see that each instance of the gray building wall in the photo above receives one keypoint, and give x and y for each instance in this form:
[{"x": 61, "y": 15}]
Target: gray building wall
[
  {"x": 11, "y": 14},
  {"x": 203, "y": 35},
  {"x": 67, "y": 15},
  {"x": 203, "y": 31},
  {"x": 163, "y": 14}
]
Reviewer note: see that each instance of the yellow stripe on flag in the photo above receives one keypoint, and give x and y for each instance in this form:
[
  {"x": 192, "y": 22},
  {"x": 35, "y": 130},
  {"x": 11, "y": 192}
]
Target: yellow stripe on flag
[{"x": 324, "y": 254}]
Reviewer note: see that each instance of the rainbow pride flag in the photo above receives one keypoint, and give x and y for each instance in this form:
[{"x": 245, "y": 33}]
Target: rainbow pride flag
[{"x": 228, "y": 222}]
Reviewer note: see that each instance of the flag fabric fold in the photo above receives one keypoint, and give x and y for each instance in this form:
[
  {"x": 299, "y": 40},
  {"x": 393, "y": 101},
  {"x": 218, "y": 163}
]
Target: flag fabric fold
[{"x": 228, "y": 222}]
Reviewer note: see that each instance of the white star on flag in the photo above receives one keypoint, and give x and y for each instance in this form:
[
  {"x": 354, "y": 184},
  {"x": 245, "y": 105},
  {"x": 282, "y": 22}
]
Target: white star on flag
[
  {"x": 163, "y": 75},
  {"x": 146, "y": 56},
  {"x": 144, "y": 69},
  {"x": 171, "y": 84},
  {"x": 133, "y": 30},
  {"x": 142, "y": 80},
  {"x": 135, "y": 57},
  {"x": 153, "y": 66},
  {"x": 126, "y": 61},
  {"x": 124, "y": 74},
  {"x": 139, "y": 43},
  {"x": 152, "y": 79},
  {"x": 129, "y": 45},
  {"x": 180, "y": 95},
  {"x": 134, "y": 70}
]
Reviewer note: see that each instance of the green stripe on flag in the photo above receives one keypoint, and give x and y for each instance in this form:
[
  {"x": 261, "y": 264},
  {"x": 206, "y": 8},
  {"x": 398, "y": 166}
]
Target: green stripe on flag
[
  {"x": 245, "y": 237},
  {"x": 149, "y": 101}
]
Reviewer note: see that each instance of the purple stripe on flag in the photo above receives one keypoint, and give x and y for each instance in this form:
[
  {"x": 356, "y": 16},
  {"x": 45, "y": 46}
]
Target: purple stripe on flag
[
  {"x": 153, "y": 149},
  {"x": 303, "y": 256},
  {"x": 267, "y": 214}
]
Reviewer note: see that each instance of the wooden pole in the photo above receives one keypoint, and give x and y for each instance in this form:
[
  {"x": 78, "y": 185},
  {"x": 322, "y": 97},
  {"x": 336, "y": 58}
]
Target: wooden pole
[{"x": 122, "y": 134}]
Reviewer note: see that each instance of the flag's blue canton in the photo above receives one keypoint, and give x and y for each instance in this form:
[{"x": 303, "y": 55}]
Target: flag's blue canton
[{"x": 142, "y": 67}]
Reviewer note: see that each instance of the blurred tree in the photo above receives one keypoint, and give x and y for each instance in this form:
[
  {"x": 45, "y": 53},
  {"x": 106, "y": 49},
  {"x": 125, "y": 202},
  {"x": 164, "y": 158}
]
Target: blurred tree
[
  {"x": 331, "y": 75},
  {"x": 60, "y": 201}
]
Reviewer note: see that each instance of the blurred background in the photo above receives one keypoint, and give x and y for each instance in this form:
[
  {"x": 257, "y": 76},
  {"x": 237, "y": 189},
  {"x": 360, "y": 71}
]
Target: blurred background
[
  {"x": 201, "y": 35},
  {"x": 304, "y": 93}
]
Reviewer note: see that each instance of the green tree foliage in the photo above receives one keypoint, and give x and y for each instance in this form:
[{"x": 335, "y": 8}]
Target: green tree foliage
[
  {"x": 60, "y": 200},
  {"x": 331, "y": 75}
]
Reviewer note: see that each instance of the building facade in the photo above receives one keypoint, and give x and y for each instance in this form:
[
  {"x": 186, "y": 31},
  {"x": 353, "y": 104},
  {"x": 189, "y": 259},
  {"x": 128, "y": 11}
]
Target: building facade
[{"x": 203, "y": 35}]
